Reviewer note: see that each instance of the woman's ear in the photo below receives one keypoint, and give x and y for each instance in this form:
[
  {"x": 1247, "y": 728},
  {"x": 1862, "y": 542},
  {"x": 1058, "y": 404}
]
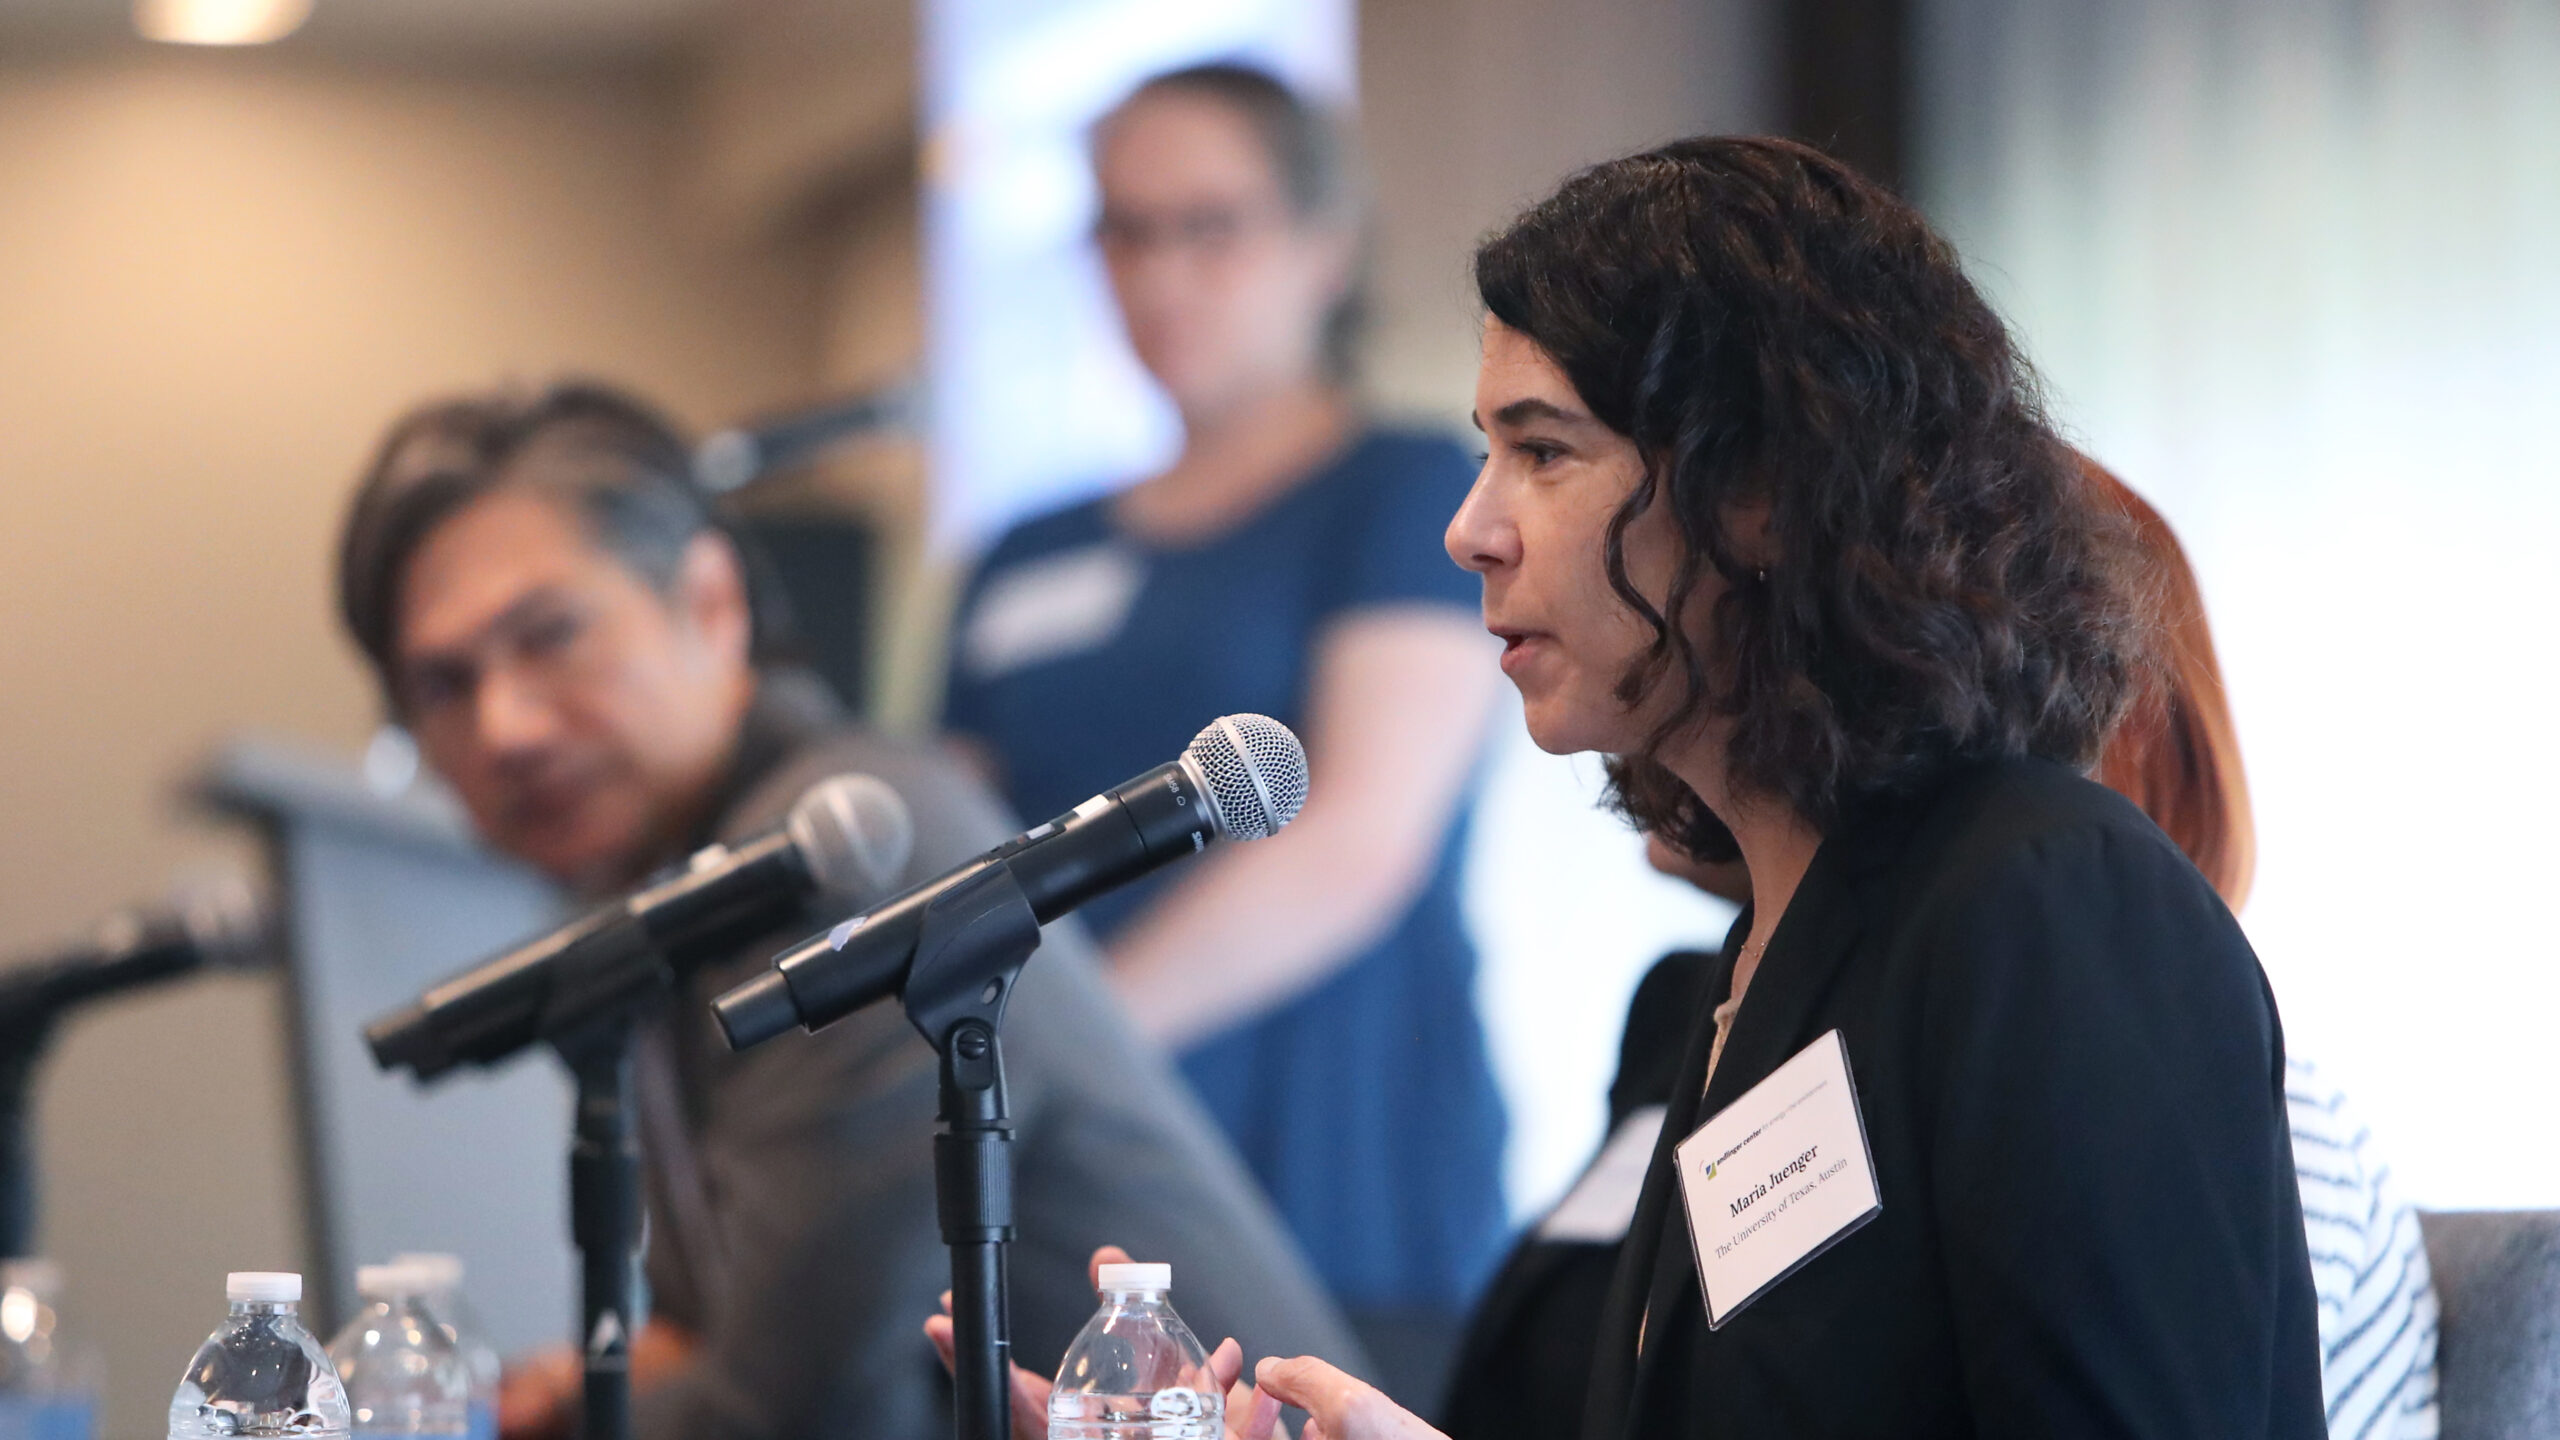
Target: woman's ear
[
  {"x": 1747, "y": 528},
  {"x": 711, "y": 594}
]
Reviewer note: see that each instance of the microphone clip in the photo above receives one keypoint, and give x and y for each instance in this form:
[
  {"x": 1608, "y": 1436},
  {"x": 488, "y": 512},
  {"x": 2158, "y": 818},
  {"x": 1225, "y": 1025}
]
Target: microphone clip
[{"x": 971, "y": 948}]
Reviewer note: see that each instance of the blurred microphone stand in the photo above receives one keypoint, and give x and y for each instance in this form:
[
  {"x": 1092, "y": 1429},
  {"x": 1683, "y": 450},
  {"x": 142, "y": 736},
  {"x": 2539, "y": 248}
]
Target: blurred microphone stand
[
  {"x": 22, "y": 1040},
  {"x": 219, "y": 927},
  {"x": 604, "y": 1213}
]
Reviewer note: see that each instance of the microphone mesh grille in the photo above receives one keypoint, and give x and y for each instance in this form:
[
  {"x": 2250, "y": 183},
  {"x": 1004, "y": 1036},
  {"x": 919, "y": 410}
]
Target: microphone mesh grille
[
  {"x": 1256, "y": 771},
  {"x": 855, "y": 834}
]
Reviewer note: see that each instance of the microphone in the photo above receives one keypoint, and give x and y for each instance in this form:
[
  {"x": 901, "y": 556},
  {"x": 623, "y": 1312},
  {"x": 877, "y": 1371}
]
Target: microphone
[
  {"x": 1242, "y": 778},
  {"x": 732, "y": 458},
  {"x": 220, "y": 927},
  {"x": 846, "y": 836}
]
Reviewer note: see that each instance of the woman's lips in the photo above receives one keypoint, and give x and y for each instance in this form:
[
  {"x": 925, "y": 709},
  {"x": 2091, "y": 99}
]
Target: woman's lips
[{"x": 1515, "y": 646}]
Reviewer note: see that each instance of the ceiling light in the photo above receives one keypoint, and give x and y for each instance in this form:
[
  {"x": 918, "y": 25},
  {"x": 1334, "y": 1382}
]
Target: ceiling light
[{"x": 219, "y": 22}]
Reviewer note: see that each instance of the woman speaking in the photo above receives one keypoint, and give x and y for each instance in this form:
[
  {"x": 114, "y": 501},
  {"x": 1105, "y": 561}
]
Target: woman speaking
[{"x": 1980, "y": 1129}]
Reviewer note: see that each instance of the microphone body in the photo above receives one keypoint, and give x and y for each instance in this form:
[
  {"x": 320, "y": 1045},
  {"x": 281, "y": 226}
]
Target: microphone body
[
  {"x": 1237, "y": 781},
  {"x": 846, "y": 835},
  {"x": 224, "y": 927},
  {"x": 737, "y": 457}
]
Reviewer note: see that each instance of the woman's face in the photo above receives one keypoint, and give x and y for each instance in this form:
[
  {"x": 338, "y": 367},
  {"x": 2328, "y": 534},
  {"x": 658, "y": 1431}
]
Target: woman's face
[
  {"x": 1536, "y": 527},
  {"x": 1223, "y": 287}
]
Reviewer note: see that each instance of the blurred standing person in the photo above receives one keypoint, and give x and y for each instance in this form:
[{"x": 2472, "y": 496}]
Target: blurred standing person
[
  {"x": 1319, "y": 990},
  {"x": 2177, "y": 755}
]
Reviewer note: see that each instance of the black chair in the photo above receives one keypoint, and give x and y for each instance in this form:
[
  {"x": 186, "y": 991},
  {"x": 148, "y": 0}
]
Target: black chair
[{"x": 2497, "y": 1278}]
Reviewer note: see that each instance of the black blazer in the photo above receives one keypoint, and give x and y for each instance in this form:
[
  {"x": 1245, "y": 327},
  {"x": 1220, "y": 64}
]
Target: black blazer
[{"x": 2072, "y": 1079}]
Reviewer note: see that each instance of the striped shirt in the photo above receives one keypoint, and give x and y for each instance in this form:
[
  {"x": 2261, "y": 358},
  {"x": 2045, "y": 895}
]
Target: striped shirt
[{"x": 2368, "y": 1268}]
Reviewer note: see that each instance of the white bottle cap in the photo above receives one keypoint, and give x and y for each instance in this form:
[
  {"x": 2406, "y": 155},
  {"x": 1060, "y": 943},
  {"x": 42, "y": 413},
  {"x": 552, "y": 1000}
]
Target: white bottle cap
[
  {"x": 1137, "y": 1277},
  {"x": 263, "y": 1287},
  {"x": 390, "y": 1282},
  {"x": 438, "y": 1273}
]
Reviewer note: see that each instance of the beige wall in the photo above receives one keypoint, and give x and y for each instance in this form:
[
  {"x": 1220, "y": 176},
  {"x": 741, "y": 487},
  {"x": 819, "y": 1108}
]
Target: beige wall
[
  {"x": 219, "y": 274},
  {"x": 1472, "y": 109}
]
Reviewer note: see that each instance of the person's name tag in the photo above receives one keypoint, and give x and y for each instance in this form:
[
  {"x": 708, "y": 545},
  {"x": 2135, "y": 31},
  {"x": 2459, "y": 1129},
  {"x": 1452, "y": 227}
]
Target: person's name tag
[
  {"x": 1777, "y": 1177},
  {"x": 1602, "y": 1204},
  {"x": 1050, "y": 608}
]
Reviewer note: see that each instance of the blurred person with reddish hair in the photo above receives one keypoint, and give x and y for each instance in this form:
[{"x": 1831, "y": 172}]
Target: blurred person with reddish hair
[{"x": 2177, "y": 755}]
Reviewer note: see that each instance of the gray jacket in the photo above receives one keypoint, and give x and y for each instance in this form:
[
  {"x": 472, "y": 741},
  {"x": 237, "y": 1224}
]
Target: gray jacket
[{"x": 791, "y": 1187}]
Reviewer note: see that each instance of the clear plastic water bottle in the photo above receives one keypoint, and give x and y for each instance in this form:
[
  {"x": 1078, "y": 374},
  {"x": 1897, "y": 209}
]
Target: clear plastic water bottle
[
  {"x": 1136, "y": 1372},
  {"x": 461, "y": 1325},
  {"x": 403, "y": 1376},
  {"x": 43, "y": 1395},
  {"x": 261, "y": 1373}
]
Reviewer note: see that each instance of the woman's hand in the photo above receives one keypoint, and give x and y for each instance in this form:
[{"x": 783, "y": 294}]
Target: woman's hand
[
  {"x": 1250, "y": 1416},
  {"x": 1338, "y": 1407}
]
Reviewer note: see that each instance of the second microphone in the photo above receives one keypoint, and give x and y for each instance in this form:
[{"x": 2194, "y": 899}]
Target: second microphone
[{"x": 1242, "y": 778}]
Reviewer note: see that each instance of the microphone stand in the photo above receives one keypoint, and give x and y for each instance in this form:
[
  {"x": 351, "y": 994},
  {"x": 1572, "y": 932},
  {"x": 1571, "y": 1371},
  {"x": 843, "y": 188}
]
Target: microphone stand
[
  {"x": 605, "y": 973},
  {"x": 973, "y": 942},
  {"x": 609, "y": 991},
  {"x": 23, "y": 1038},
  {"x": 32, "y": 1003},
  {"x": 604, "y": 1215}
]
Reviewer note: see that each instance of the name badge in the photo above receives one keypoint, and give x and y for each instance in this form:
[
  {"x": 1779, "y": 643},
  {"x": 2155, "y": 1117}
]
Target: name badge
[
  {"x": 1050, "y": 608},
  {"x": 1776, "y": 1178},
  {"x": 1602, "y": 1204}
]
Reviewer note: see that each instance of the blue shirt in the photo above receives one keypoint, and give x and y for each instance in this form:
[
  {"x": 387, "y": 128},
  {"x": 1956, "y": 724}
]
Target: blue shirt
[{"x": 1082, "y": 656}]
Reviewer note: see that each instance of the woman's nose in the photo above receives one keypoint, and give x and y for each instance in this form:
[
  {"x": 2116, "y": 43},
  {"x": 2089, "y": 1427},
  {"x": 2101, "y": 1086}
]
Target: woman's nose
[{"x": 1480, "y": 537}]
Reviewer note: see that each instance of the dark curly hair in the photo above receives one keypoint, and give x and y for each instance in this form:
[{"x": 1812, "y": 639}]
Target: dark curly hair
[{"x": 1771, "y": 329}]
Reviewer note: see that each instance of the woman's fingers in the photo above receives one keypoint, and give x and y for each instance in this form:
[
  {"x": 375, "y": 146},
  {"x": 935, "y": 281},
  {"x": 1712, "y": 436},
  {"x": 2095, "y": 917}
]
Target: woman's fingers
[
  {"x": 1030, "y": 1392},
  {"x": 1251, "y": 1415},
  {"x": 1226, "y": 1365},
  {"x": 1338, "y": 1407},
  {"x": 1310, "y": 1384},
  {"x": 1030, "y": 1406},
  {"x": 1107, "y": 1255}
]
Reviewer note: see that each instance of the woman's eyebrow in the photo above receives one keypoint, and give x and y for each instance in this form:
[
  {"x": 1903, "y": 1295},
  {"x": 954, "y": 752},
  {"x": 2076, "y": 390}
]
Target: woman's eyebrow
[{"x": 1521, "y": 412}]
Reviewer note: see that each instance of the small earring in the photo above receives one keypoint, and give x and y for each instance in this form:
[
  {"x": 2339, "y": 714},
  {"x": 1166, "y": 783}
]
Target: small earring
[{"x": 1764, "y": 574}]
